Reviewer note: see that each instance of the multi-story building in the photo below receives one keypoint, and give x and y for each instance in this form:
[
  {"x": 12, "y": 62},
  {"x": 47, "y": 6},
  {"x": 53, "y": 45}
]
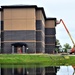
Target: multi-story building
[
  {"x": 50, "y": 70},
  {"x": 25, "y": 29}
]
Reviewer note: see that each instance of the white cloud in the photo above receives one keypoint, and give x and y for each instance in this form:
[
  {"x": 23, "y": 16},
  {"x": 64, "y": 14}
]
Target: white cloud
[{"x": 65, "y": 70}]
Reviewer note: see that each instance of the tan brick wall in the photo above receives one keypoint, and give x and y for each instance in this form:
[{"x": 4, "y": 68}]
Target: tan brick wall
[
  {"x": 7, "y": 25},
  {"x": 50, "y": 24},
  {"x": 19, "y": 19},
  {"x": 7, "y": 14},
  {"x": 40, "y": 16},
  {"x": 19, "y": 13}
]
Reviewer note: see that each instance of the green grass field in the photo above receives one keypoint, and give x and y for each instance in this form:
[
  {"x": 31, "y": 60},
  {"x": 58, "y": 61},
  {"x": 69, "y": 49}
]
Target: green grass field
[{"x": 41, "y": 59}]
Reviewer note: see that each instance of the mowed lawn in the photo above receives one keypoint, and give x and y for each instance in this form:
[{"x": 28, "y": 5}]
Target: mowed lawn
[{"x": 43, "y": 59}]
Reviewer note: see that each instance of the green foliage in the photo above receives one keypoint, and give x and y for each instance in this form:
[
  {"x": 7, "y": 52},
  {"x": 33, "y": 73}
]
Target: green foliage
[
  {"x": 56, "y": 50},
  {"x": 66, "y": 46},
  {"x": 39, "y": 59},
  {"x": 58, "y": 45},
  {"x": 57, "y": 42}
]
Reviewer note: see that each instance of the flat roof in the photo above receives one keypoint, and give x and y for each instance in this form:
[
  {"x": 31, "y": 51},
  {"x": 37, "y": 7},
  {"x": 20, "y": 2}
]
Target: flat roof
[
  {"x": 27, "y": 6},
  {"x": 50, "y": 18},
  {"x": 19, "y": 6}
]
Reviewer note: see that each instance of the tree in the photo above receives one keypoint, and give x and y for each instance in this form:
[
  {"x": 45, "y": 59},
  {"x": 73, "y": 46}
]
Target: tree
[
  {"x": 66, "y": 46},
  {"x": 57, "y": 42},
  {"x": 57, "y": 46}
]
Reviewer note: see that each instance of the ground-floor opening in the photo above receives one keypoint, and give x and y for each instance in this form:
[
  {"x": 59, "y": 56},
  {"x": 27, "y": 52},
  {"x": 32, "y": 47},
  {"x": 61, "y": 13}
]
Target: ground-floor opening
[{"x": 19, "y": 48}]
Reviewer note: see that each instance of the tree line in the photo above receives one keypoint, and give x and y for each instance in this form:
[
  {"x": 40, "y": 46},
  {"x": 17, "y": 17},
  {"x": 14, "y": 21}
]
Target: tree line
[{"x": 65, "y": 47}]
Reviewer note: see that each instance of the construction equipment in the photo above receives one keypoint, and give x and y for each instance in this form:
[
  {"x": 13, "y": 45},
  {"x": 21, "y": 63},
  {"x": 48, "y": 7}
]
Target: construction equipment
[{"x": 73, "y": 49}]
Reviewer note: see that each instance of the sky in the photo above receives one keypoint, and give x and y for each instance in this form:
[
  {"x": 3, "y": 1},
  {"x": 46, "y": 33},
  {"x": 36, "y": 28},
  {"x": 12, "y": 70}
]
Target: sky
[{"x": 60, "y": 9}]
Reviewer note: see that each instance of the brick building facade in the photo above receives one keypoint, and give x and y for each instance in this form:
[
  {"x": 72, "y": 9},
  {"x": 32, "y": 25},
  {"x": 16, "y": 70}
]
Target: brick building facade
[{"x": 26, "y": 28}]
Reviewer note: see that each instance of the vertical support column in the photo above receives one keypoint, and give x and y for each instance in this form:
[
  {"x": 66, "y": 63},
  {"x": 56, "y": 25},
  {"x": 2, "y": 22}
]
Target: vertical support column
[
  {"x": 43, "y": 72},
  {"x": 23, "y": 49},
  {"x": 12, "y": 71},
  {"x": 12, "y": 49},
  {"x": 23, "y": 71}
]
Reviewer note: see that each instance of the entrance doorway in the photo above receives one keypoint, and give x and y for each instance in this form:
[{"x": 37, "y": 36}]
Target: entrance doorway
[{"x": 19, "y": 48}]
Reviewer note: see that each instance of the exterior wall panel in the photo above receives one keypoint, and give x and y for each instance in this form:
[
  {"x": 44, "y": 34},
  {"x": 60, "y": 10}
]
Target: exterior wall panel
[
  {"x": 39, "y": 47},
  {"x": 39, "y": 25},
  {"x": 50, "y": 40},
  {"x": 19, "y": 13},
  {"x": 19, "y": 24},
  {"x": 7, "y": 24},
  {"x": 39, "y": 15},
  {"x": 32, "y": 47},
  {"x": 31, "y": 24},
  {"x": 49, "y": 48},
  {"x": 50, "y": 24},
  {"x": 50, "y": 31},
  {"x": 50, "y": 36},
  {"x": 19, "y": 35},
  {"x": 7, "y": 47},
  {"x": 40, "y": 35},
  {"x": 19, "y": 19},
  {"x": 7, "y": 14}
]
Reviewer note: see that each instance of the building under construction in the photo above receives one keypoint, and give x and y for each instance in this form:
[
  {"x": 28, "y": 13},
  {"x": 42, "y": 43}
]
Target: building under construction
[{"x": 26, "y": 29}]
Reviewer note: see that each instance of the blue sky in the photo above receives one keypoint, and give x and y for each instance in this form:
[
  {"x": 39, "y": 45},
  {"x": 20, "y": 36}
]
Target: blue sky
[{"x": 61, "y": 9}]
